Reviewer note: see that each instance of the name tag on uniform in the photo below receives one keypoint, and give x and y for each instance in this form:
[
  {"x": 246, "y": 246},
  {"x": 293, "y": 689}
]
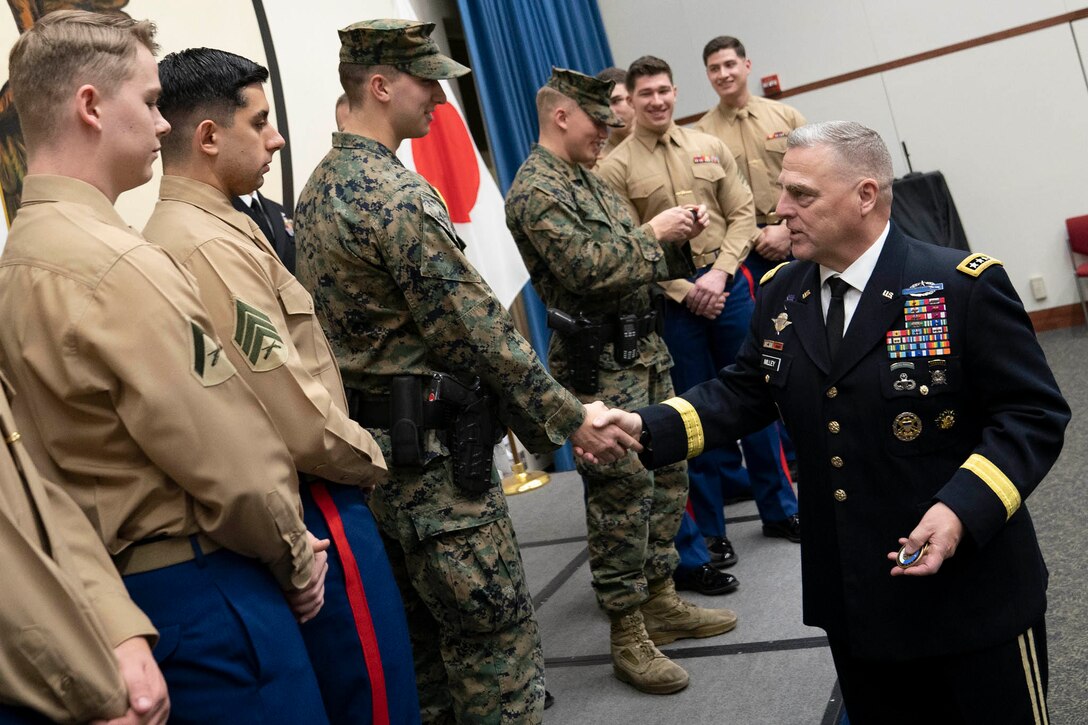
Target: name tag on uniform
[{"x": 771, "y": 362}]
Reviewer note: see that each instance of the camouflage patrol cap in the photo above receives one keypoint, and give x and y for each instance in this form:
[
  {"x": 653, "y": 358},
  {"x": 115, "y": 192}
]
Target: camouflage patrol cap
[
  {"x": 403, "y": 44},
  {"x": 591, "y": 94}
]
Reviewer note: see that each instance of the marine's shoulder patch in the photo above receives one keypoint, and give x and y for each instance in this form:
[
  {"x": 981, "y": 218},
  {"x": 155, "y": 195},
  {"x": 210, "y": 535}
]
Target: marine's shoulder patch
[
  {"x": 210, "y": 365},
  {"x": 976, "y": 264},
  {"x": 256, "y": 337},
  {"x": 771, "y": 273}
]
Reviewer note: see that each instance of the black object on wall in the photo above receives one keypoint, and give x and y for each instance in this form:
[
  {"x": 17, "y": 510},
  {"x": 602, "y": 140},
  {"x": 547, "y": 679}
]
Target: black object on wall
[{"x": 923, "y": 208}]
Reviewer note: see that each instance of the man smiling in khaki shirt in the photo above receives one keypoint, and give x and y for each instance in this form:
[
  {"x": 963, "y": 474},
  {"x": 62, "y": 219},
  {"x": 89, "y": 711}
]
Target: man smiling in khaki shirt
[
  {"x": 755, "y": 130},
  {"x": 707, "y": 316}
]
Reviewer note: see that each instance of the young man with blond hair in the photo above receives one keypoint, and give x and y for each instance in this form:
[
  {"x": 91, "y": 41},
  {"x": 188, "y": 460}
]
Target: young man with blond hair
[{"x": 167, "y": 451}]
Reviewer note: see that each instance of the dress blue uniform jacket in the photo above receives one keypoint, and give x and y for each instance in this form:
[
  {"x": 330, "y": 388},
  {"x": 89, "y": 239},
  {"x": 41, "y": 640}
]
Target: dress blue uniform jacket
[{"x": 976, "y": 428}]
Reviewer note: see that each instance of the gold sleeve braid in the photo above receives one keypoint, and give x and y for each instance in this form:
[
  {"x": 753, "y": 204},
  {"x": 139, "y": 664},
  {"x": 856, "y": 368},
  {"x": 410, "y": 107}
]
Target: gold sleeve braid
[
  {"x": 693, "y": 427},
  {"x": 998, "y": 482}
]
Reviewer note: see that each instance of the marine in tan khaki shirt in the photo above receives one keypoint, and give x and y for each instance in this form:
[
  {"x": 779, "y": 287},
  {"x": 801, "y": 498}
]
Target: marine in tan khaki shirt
[
  {"x": 165, "y": 449},
  {"x": 63, "y": 610},
  {"x": 755, "y": 129},
  {"x": 661, "y": 165},
  {"x": 130, "y": 392},
  {"x": 706, "y": 315},
  {"x": 287, "y": 361},
  {"x": 219, "y": 148}
]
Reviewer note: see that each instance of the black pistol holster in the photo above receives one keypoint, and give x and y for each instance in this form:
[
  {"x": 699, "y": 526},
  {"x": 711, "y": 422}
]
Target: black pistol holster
[
  {"x": 463, "y": 415},
  {"x": 587, "y": 337},
  {"x": 586, "y": 342},
  {"x": 473, "y": 429},
  {"x": 406, "y": 420}
]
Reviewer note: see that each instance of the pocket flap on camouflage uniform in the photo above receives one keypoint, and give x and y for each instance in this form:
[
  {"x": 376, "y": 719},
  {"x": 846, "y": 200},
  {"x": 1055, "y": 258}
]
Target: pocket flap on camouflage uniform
[{"x": 459, "y": 515}]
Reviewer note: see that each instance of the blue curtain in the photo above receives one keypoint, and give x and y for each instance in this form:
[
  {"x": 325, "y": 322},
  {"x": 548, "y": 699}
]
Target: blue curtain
[{"x": 513, "y": 45}]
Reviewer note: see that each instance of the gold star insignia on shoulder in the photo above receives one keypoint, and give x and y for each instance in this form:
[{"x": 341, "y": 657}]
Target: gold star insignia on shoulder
[{"x": 976, "y": 264}]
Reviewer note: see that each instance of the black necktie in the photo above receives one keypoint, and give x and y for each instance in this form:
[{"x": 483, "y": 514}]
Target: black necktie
[
  {"x": 261, "y": 217},
  {"x": 836, "y": 314}
]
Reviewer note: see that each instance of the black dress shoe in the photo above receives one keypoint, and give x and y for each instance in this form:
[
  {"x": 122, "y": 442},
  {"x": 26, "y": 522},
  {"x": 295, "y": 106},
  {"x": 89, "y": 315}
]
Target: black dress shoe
[
  {"x": 722, "y": 555},
  {"x": 705, "y": 580},
  {"x": 787, "y": 529},
  {"x": 548, "y": 699}
]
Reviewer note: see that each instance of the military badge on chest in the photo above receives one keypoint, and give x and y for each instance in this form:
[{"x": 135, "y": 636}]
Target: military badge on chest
[
  {"x": 772, "y": 362},
  {"x": 919, "y": 356}
]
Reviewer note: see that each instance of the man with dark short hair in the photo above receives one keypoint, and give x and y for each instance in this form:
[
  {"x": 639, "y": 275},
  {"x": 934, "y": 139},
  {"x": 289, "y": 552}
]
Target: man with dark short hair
[
  {"x": 706, "y": 315},
  {"x": 755, "y": 130},
  {"x": 924, "y": 413},
  {"x": 590, "y": 262},
  {"x": 164, "y": 447},
  {"x": 220, "y": 147},
  {"x": 435, "y": 370}
]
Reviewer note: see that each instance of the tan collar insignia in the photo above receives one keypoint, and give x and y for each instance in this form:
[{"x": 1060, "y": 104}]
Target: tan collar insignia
[
  {"x": 781, "y": 322},
  {"x": 210, "y": 365},
  {"x": 256, "y": 337}
]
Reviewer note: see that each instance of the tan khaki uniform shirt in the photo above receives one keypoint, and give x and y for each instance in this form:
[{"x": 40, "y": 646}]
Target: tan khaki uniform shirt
[
  {"x": 128, "y": 389},
  {"x": 63, "y": 608},
  {"x": 658, "y": 171},
  {"x": 610, "y": 145},
  {"x": 267, "y": 317},
  {"x": 757, "y": 136}
]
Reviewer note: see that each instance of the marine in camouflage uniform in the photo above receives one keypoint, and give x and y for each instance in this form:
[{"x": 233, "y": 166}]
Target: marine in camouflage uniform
[
  {"x": 398, "y": 297},
  {"x": 588, "y": 257}
]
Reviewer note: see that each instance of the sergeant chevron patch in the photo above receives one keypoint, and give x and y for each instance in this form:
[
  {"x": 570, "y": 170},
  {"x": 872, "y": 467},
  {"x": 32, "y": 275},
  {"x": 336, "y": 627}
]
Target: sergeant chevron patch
[
  {"x": 210, "y": 365},
  {"x": 256, "y": 337}
]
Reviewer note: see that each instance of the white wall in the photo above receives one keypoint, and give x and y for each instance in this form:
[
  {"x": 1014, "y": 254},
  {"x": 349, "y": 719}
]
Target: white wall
[
  {"x": 1007, "y": 122},
  {"x": 306, "y": 44}
]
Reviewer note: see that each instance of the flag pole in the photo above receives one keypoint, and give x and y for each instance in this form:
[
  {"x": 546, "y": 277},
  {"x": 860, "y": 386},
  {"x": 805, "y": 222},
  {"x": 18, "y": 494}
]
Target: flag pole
[{"x": 520, "y": 480}]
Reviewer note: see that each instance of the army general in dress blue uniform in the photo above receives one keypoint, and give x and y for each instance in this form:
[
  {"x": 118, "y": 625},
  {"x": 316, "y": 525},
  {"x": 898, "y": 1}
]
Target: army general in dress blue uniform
[{"x": 924, "y": 413}]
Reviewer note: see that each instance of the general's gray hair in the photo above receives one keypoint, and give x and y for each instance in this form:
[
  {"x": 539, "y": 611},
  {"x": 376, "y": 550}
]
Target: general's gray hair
[{"x": 860, "y": 149}]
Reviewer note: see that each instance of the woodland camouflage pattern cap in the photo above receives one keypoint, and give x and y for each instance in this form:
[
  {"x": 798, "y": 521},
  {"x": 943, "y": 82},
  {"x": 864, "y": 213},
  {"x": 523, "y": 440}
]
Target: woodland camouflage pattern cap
[
  {"x": 403, "y": 44},
  {"x": 591, "y": 94}
]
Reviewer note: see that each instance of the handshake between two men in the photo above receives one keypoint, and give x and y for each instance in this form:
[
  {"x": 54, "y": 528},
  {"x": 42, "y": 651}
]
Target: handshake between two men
[{"x": 607, "y": 434}]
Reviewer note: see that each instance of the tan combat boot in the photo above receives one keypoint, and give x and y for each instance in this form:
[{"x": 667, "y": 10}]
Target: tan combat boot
[
  {"x": 637, "y": 662},
  {"x": 668, "y": 618}
]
